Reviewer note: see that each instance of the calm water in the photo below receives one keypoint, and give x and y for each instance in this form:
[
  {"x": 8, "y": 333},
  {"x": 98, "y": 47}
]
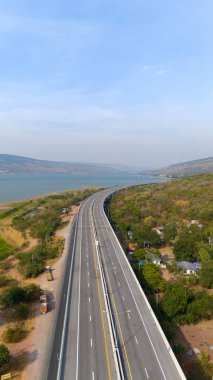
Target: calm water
[{"x": 23, "y": 186}]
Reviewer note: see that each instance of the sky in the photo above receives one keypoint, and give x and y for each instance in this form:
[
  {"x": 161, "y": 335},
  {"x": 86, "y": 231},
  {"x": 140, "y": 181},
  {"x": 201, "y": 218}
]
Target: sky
[{"x": 107, "y": 81}]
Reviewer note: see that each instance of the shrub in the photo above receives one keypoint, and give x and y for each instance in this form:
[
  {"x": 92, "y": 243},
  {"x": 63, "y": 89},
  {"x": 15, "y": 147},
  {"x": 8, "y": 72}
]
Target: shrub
[
  {"x": 14, "y": 295},
  {"x": 15, "y": 334},
  {"x": 3, "y": 281},
  {"x": 33, "y": 292},
  {"x": 4, "y": 358},
  {"x": 5, "y": 249},
  {"x": 6, "y": 264},
  {"x": 151, "y": 276},
  {"x": 21, "y": 311},
  {"x": 179, "y": 348},
  {"x": 140, "y": 254}
]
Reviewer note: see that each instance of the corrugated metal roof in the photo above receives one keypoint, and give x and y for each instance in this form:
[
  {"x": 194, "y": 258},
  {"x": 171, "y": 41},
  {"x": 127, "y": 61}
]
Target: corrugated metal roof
[{"x": 189, "y": 266}]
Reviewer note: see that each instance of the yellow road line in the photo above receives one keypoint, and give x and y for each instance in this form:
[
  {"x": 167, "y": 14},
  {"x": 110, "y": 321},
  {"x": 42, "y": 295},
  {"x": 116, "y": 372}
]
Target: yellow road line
[
  {"x": 102, "y": 318},
  {"x": 116, "y": 313}
]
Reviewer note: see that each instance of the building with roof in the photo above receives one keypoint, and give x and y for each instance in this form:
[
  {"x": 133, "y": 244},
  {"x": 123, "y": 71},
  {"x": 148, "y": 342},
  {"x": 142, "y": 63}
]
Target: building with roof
[
  {"x": 188, "y": 268},
  {"x": 155, "y": 259}
]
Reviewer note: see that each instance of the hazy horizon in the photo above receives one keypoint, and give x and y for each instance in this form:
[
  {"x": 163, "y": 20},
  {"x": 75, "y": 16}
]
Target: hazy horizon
[{"x": 102, "y": 81}]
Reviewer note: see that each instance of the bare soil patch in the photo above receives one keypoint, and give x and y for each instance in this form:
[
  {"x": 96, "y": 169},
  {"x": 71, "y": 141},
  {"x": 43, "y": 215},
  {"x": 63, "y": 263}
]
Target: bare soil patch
[
  {"x": 198, "y": 337},
  {"x": 168, "y": 251},
  {"x": 167, "y": 276}
]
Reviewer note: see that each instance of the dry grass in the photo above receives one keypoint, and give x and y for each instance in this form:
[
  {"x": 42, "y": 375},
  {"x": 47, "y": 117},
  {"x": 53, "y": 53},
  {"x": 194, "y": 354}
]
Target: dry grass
[{"x": 12, "y": 236}]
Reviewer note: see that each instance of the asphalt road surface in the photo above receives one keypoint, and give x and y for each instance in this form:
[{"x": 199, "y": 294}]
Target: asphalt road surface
[{"x": 83, "y": 345}]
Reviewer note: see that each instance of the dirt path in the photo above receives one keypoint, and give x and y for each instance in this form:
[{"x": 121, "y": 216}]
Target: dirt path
[{"x": 36, "y": 345}]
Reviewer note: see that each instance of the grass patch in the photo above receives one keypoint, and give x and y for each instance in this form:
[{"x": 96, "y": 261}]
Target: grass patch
[
  {"x": 13, "y": 210},
  {"x": 21, "y": 311},
  {"x": 5, "y": 265},
  {"x": 5, "y": 249},
  {"x": 3, "y": 281},
  {"x": 15, "y": 334}
]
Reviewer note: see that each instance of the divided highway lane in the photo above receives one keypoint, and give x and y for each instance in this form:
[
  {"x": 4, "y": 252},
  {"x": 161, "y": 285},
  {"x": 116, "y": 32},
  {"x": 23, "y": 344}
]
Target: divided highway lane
[
  {"x": 145, "y": 355},
  {"x": 82, "y": 347},
  {"x": 86, "y": 352}
]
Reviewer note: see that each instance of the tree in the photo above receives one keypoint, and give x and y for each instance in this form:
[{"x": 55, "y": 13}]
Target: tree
[
  {"x": 148, "y": 234},
  {"x": 22, "y": 311},
  {"x": 205, "y": 363},
  {"x": 4, "y": 358},
  {"x": 14, "y": 295},
  {"x": 206, "y": 271},
  {"x": 170, "y": 232},
  {"x": 175, "y": 300},
  {"x": 202, "y": 306},
  {"x": 185, "y": 248},
  {"x": 151, "y": 275},
  {"x": 149, "y": 221},
  {"x": 140, "y": 254}
]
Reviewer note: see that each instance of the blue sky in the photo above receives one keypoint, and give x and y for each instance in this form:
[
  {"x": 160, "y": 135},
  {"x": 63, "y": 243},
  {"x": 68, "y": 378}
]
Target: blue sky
[{"x": 107, "y": 81}]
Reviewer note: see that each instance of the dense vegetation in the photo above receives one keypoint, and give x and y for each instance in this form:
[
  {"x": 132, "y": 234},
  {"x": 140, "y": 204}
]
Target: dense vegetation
[
  {"x": 35, "y": 222},
  {"x": 41, "y": 218},
  {"x": 4, "y": 358},
  {"x": 172, "y": 205},
  {"x": 183, "y": 209},
  {"x": 5, "y": 249}
]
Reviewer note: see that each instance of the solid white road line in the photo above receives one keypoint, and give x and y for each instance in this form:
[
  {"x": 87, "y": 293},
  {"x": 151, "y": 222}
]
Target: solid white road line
[
  {"x": 93, "y": 375},
  {"x": 79, "y": 298},
  {"x": 146, "y": 373},
  {"x": 137, "y": 307}
]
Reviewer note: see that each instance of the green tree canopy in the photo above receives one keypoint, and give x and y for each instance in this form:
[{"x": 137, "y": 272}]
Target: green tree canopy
[
  {"x": 152, "y": 277},
  {"x": 175, "y": 300},
  {"x": 4, "y": 358},
  {"x": 206, "y": 271},
  {"x": 202, "y": 306},
  {"x": 185, "y": 248}
]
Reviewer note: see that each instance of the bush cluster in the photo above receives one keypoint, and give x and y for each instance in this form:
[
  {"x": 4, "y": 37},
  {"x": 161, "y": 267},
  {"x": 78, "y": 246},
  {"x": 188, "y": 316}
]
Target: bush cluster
[
  {"x": 15, "y": 334},
  {"x": 17, "y": 294},
  {"x": 184, "y": 306}
]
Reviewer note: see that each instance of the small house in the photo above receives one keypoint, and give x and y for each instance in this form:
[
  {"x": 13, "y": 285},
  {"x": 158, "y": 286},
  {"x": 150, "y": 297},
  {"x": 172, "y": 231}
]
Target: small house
[
  {"x": 155, "y": 259},
  {"x": 189, "y": 268}
]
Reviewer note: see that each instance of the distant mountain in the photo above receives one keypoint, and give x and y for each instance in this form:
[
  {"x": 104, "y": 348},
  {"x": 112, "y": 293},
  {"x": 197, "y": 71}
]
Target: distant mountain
[
  {"x": 204, "y": 165},
  {"x": 17, "y": 164}
]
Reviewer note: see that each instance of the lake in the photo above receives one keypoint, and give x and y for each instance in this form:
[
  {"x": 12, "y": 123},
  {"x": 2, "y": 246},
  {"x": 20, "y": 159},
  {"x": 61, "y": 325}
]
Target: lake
[{"x": 23, "y": 186}]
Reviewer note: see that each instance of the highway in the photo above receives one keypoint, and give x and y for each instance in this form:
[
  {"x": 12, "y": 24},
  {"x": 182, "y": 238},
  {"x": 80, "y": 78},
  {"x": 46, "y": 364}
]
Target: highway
[{"x": 105, "y": 327}]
